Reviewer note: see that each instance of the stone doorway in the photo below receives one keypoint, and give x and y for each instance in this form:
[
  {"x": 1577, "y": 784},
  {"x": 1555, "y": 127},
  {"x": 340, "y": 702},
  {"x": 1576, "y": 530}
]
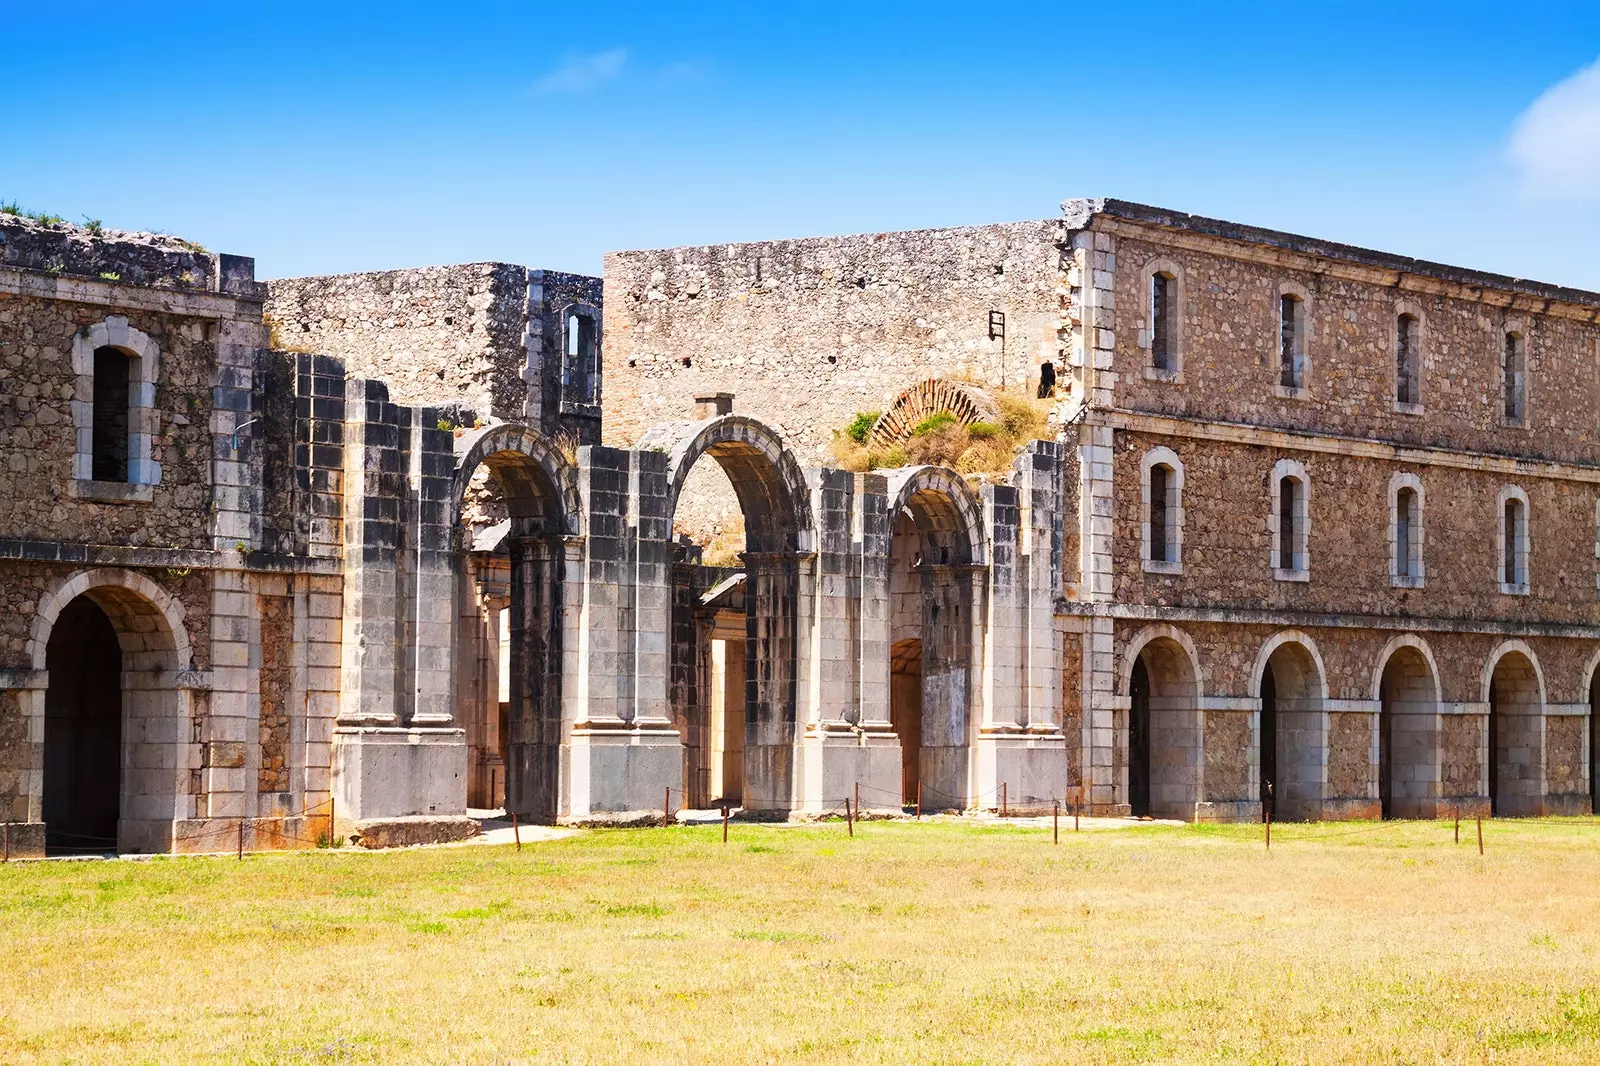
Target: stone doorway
[
  {"x": 1268, "y": 779},
  {"x": 1514, "y": 741},
  {"x": 82, "y": 732},
  {"x": 1164, "y": 738},
  {"x": 1292, "y": 735},
  {"x": 1408, "y": 736},
  {"x": 905, "y": 714}
]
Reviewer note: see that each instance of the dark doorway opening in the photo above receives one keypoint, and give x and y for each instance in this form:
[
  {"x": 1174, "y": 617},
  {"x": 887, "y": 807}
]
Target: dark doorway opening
[
  {"x": 1269, "y": 743},
  {"x": 1594, "y": 742},
  {"x": 1386, "y": 746},
  {"x": 1494, "y": 748},
  {"x": 905, "y": 714},
  {"x": 1139, "y": 740},
  {"x": 82, "y": 732}
]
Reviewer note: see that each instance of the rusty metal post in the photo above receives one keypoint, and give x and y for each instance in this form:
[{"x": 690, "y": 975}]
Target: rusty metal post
[
  {"x": 1055, "y": 823},
  {"x": 516, "y": 830},
  {"x": 1458, "y": 823},
  {"x": 1002, "y": 799},
  {"x": 724, "y": 823},
  {"x": 849, "y": 816},
  {"x": 1077, "y": 805},
  {"x": 666, "y": 807},
  {"x": 241, "y": 840},
  {"x": 919, "y": 799},
  {"x": 1480, "y": 834}
]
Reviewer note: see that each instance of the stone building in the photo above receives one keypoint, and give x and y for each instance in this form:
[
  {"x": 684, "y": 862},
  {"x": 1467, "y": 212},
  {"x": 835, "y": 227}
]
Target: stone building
[{"x": 338, "y": 556}]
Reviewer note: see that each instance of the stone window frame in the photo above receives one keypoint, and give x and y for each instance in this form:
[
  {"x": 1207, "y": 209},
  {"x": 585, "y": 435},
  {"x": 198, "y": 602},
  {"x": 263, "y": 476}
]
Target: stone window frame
[
  {"x": 1301, "y": 551},
  {"x": 1403, "y": 308},
  {"x": 1523, "y": 546},
  {"x": 1417, "y": 578},
  {"x": 570, "y": 405},
  {"x": 1146, "y": 337},
  {"x": 144, "y": 473},
  {"x": 1522, "y": 330},
  {"x": 1303, "y": 338},
  {"x": 1173, "y": 564}
]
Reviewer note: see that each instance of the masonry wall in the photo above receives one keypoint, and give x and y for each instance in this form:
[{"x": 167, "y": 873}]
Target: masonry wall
[
  {"x": 38, "y": 436},
  {"x": 1230, "y": 343},
  {"x": 806, "y": 333},
  {"x": 1227, "y": 545},
  {"x": 481, "y": 337}
]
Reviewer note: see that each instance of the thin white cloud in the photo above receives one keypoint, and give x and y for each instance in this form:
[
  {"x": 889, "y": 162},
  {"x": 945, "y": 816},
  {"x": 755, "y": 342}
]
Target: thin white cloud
[
  {"x": 1555, "y": 143},
  {"x": 583, "y": 73}
]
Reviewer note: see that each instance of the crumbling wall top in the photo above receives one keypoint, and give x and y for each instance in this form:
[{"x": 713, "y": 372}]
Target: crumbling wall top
[{"x": 131, "y": 258}]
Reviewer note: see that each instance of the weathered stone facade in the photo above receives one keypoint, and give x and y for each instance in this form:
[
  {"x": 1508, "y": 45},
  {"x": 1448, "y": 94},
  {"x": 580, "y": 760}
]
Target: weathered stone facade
[{"x": 1318, "y": 529}]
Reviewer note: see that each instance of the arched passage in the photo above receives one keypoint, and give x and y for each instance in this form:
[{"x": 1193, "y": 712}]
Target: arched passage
[
  {"x": 936, "y": 545},
  {"x": 515, "y": 500},
  {"x": 1165, "y": 741},
  {"x": 1514, "y": 732},
  {"x": 1292, "y": 730},
  {"x": 117, "y": 735},
  {"x": 1408, "y": 732},
  {"x": 775, "y": 504}
]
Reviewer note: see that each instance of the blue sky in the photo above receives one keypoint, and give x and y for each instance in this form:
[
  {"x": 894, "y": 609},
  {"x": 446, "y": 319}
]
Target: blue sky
[{"x": 323, "y": 138}]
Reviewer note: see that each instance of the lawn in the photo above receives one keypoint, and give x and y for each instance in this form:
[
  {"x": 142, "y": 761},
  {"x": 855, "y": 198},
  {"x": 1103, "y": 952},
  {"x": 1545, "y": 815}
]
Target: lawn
[{"x": 941, "y": 942}]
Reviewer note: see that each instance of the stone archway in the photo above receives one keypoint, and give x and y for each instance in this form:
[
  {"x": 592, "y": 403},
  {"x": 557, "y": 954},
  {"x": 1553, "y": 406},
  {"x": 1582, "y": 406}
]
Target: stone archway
[
  {"x": 1292, "y": 728},
  {"x": 517, "y": 566},
  {"x": 937, "y": 548},
  {"x": 114, "y": 649},
  {"x": 1407, "y": 691},
  {"x": 1165, "y": 734},
  {"x": 1513, "y": 745},
  {"x": 775, "y": 502}
]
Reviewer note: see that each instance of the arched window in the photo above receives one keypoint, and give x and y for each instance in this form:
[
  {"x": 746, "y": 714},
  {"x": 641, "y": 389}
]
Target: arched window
[
  {"x": 1291, "y": 342},
  {"x": 1162, "y": 491},
  {"x": 109, "y": 440},
  {"x": 1163, "y": 301},
  {"x": 1513, "y": 377},
  {"x": 114, "y": 412},
  {"x": 1407, "y": 361},
  {"x": 1405, "y": 531},
  {"x": 580, "y": 376},
  {"x": 1513, "y": 541},
  {"x": 1162, "y": 326},
  {"x": 1289, "y": 522}
]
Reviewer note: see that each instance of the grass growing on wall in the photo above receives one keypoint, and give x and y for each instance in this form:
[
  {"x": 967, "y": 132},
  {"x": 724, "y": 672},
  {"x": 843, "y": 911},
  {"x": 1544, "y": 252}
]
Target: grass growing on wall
[
  {"x": 942, "y": 440},
  {"x": 932, "y": 942}
]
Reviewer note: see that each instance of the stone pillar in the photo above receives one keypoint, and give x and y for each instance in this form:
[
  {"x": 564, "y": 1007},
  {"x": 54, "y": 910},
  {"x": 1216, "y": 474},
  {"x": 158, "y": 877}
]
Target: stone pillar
[{"x": 772, "y": 585}]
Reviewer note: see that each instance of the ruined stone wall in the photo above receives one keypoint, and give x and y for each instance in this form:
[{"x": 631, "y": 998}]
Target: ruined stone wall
[
  {"x": 1226, "y": 541},
  {"x": 482, "y": 337},
  {"x": 38, "y": 437},
  {"x": 436, "y": 335},
  {"x": 806, "y": 333},
  {"x": 1229, "y": 340}
]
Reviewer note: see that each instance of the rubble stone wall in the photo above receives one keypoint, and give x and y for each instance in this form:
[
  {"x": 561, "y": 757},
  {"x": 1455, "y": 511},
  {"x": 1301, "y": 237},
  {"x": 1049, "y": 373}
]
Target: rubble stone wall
[{"x": 806, "y": 333}]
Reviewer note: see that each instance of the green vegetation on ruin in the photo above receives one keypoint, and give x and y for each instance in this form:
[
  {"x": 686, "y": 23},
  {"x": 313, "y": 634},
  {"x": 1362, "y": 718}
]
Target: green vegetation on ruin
[
  {"x": 942, "y": 440},
  {"x": 945, "y": 942}
]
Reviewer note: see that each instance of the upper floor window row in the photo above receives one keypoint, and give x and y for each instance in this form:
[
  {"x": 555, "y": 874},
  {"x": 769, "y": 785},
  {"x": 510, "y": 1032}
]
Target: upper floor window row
[{"x": 1162, "y": 328}]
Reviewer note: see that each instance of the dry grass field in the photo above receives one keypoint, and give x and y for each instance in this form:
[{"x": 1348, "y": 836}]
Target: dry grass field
[{"x": 909, "y": 943}]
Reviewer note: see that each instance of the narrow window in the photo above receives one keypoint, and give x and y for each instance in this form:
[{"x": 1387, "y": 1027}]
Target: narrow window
[
  {"x": 1405, "y": 523},
  {"x": 1512, "y": 377},
  {"x": 110, "y": 434},
  {"x": 1291, "y": 332},
  {"x": 1160, "y": 546},
  {"x": 1405, "y": 360},
  {"x": 1514, "y": 535},
  {"x": 1161, "y": 309},
  {"x": 1288, "y": 522},
  {"x": 583, "y": 371}
]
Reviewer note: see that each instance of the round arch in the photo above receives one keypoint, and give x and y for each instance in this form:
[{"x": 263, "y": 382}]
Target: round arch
[
  {"x": 1417, "y": 644},
  {"x": 1149, "y": 635},
  {"x": 1291, "y": 637},
  {"x": 947, "y": 514},
  {"x": 125, "y": 596},
  {"x": 540, "y": 486},
  {"x": 932, "y": 396},
  {"x": 771, "y": 489},
  {"x": 1589, "y": 669},
  {"x": 1492, "y": 662}
]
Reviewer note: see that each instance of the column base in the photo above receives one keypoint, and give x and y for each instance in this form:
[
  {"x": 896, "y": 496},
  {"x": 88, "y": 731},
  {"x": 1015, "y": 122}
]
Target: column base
[
  {"x": 383, "y": 773},
  {"x": 1032, "y": 766},
  {"x": 619, "y": 776},
  {"x": 831, "y": 763}
]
